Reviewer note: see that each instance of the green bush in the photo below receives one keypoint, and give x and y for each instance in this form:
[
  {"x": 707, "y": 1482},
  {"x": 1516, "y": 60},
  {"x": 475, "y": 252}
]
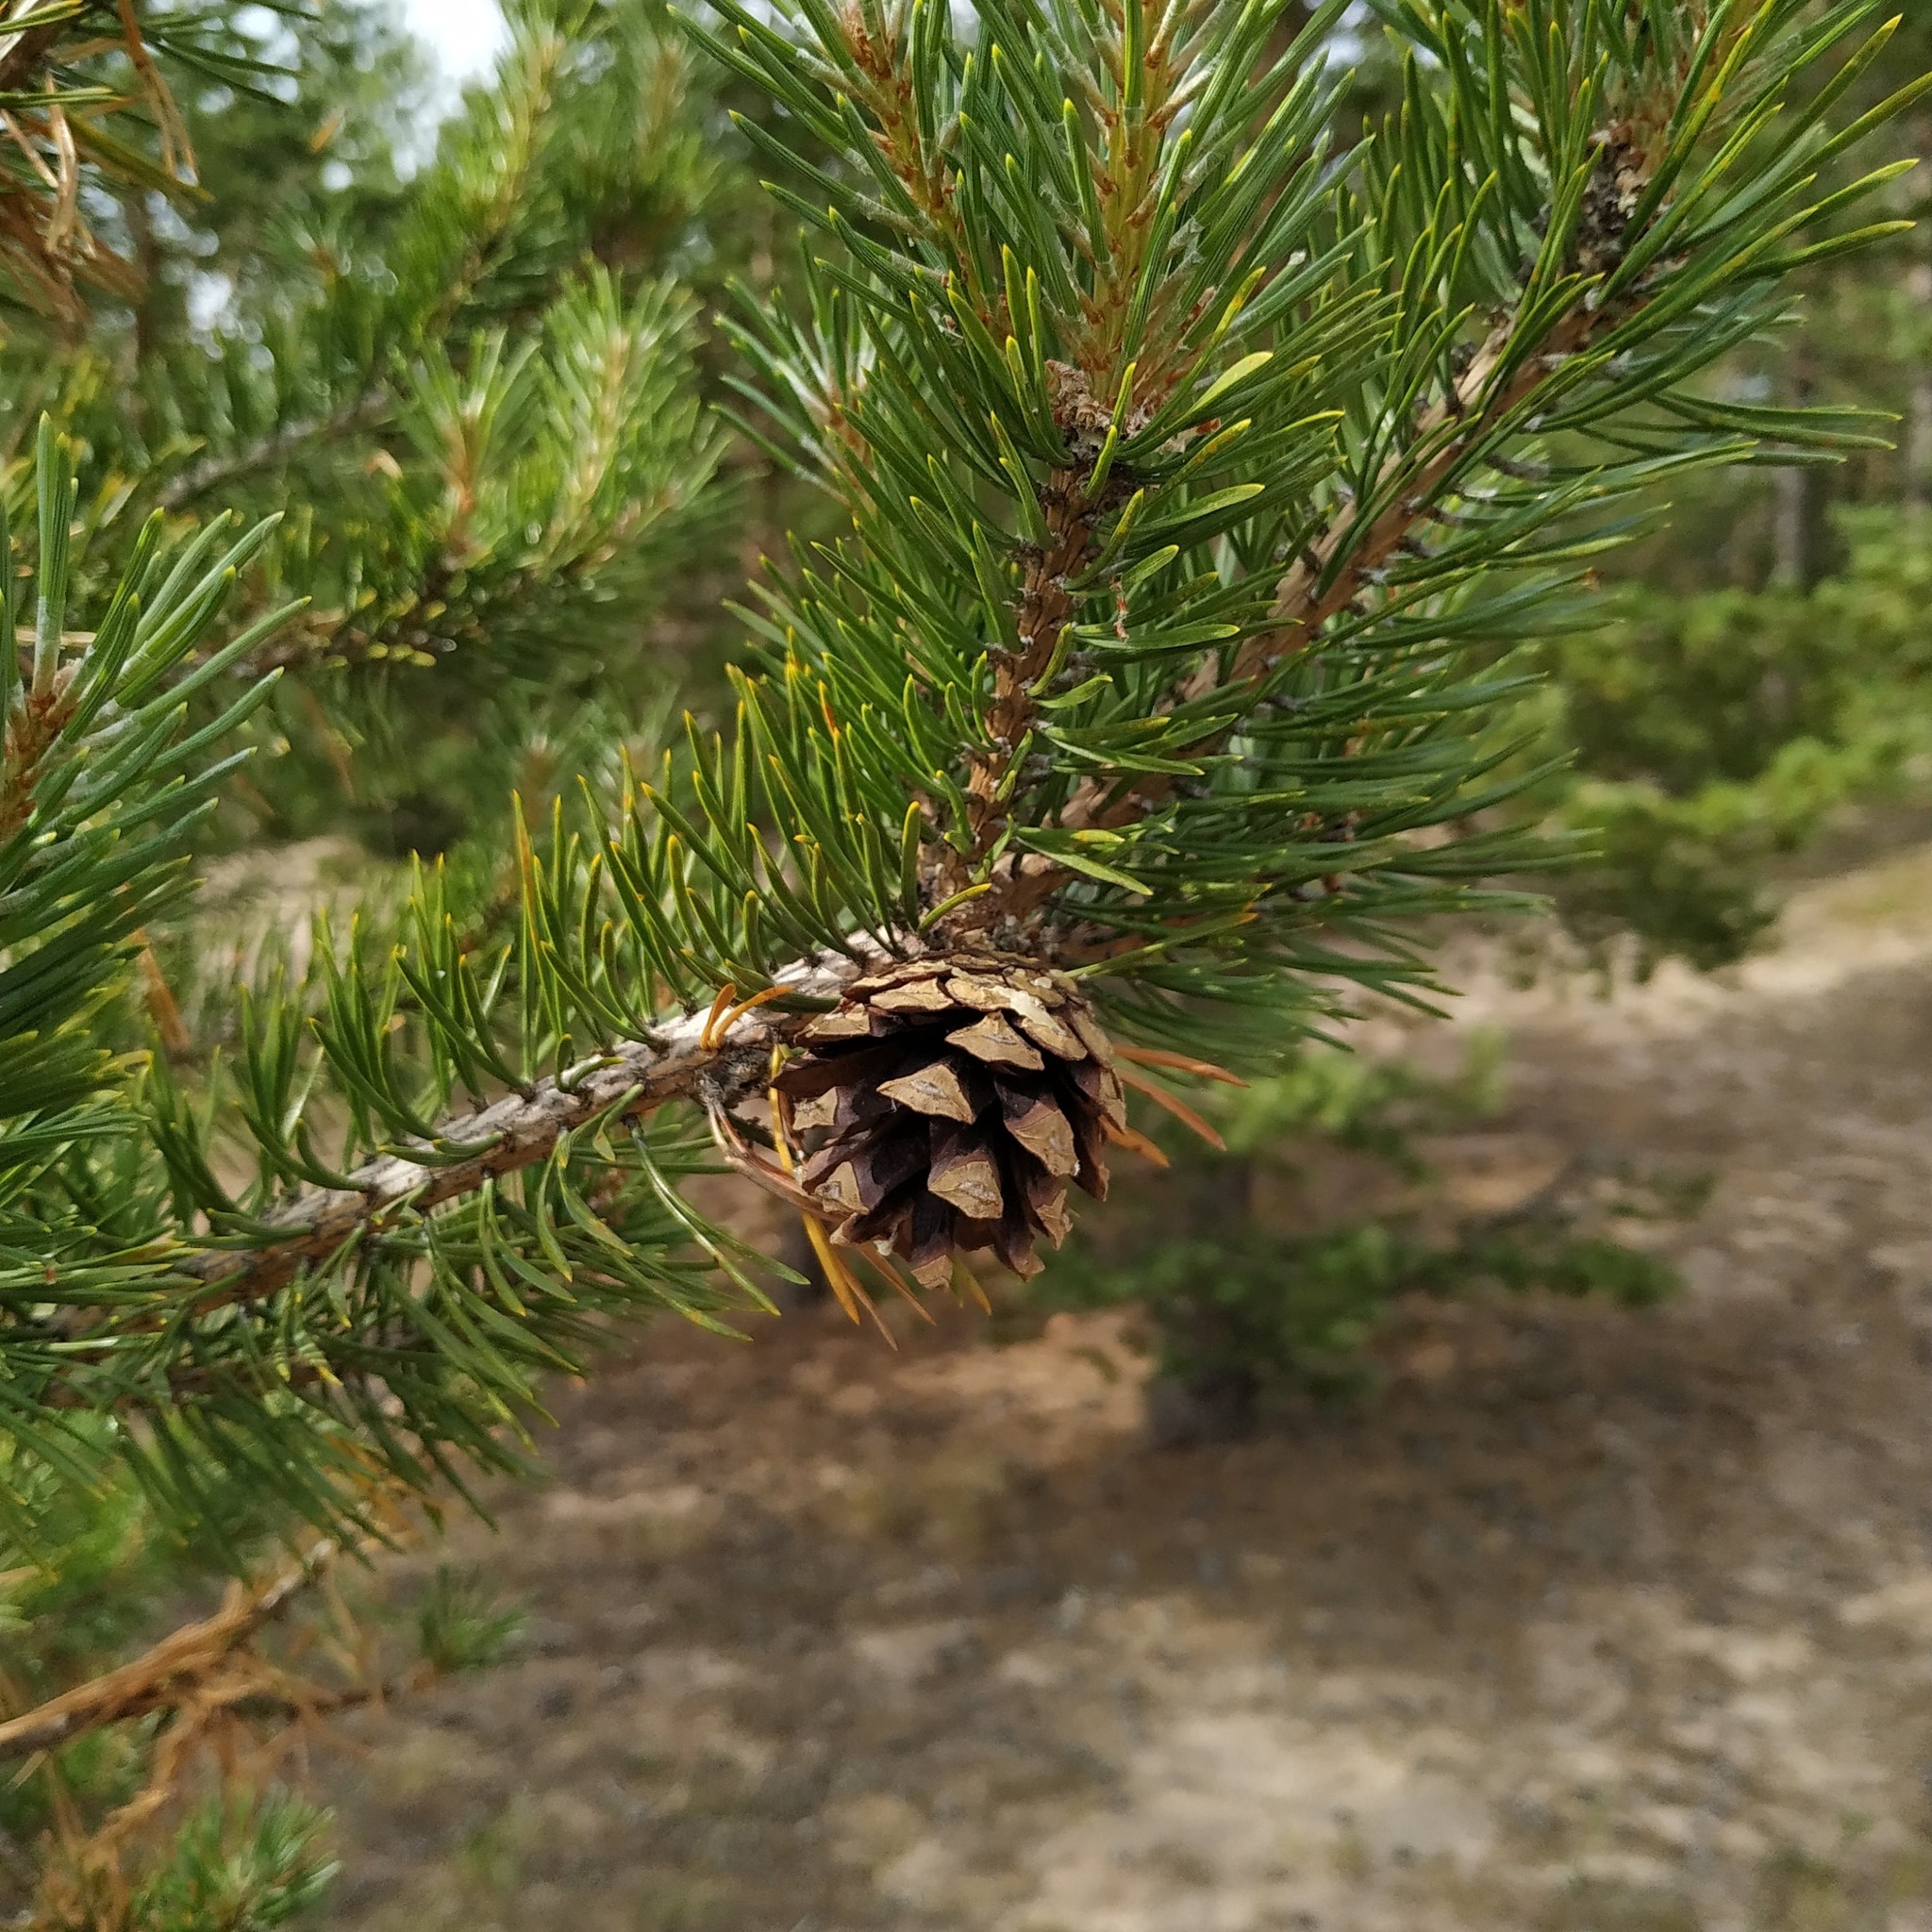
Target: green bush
[
  {"x": 1712, "y": 737},
  {"x": 239, "y": 1866},
  {"x": 1242, "y": 1317}
]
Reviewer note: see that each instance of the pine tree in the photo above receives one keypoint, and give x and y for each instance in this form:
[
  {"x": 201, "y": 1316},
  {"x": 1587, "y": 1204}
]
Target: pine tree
[
  {"x": 473, "y": 401},
  {"x": 1721, "y": 723},
  {"x": 1204, "y": 470}
]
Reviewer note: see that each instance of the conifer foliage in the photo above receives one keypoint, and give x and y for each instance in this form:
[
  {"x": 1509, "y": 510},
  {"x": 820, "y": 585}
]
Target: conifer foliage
[
  {"x": 1202, "y": 470},
  {"x": 473, "y": 396},
  {"x": 69, "y": 74}
]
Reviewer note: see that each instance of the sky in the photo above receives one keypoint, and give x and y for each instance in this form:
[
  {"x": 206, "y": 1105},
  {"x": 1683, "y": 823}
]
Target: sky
[{"x": 464, "y": 35}]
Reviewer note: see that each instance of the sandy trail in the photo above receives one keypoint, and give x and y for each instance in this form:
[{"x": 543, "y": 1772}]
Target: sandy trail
[{"x": 1590, "y": 1621}]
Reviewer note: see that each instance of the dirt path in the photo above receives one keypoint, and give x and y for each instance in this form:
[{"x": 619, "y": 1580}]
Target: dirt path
[{"x": 1591, "y": 1621}]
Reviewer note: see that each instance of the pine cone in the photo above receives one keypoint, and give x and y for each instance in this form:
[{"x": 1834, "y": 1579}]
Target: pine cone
[{"x": 947, "y": 1103}]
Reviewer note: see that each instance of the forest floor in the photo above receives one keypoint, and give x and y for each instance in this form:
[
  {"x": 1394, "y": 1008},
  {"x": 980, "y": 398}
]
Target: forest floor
[{"x": 1591, "y": 1619}]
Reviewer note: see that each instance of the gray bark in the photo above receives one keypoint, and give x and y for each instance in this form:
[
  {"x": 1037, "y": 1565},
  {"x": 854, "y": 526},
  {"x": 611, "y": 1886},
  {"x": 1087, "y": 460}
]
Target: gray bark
[{"x": 1801, "y": 558}]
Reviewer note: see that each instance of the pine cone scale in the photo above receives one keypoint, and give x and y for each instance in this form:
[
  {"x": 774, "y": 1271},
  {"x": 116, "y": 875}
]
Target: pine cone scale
[
  {"x": 992, "y": 1040},
  {"x": 966, "y": 1176},
  {"x": 938, "y": 1088},
  {"x": 1047, "y": 1029},
  {"x": 849, "y": 1069},
  {"x": 1042, "y": 1129},
  {"x": 917, "y": 996}
]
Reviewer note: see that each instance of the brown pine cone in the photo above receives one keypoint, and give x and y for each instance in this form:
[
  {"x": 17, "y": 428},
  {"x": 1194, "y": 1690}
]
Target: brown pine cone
[{"x": 946, "y": 1104}]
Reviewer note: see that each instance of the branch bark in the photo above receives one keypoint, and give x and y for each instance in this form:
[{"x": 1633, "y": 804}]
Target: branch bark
[
  {"x": 1045, "y": 605},
  {"x": 635, "y": 1076},
  {"x": 166, "y": 1674},
  {"x": 200, "y": 477},
  {"x": 20, "y": 60}
]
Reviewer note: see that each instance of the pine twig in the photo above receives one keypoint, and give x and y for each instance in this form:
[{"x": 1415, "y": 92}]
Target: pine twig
[
  {"x": 1045, "y": 605},
  {"x": 633, "y": 1077},
  {"x": 1302, "y": 605},
  {"x": 169, "y": 1673},
  {"x": 20, "y": 60},
  {"x": 1307, "y": 596},
  {"x": 266, "y": 451}
]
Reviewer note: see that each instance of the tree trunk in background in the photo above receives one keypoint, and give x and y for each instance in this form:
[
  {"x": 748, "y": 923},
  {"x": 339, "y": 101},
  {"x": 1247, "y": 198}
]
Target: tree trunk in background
[
  {"x": 1917, "y": 434},
  {"x": 1217, "y": 1397},
  {"x": 796, "y": 1250},
  {"x": 1803, "y": 530}
]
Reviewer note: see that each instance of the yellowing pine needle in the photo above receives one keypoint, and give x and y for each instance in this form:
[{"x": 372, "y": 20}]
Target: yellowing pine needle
[
  {"x": 883, "y": 1266},
  {"x": 708, "y": 1034},
  {"x": 1179, "y": 1063},
  {"x": 838, "y": 1275},
  {"x": 744, "y": 1158},
  {"x": 1136, "y": 1143},
  {"x": 781, "y": 1114},
  {"x": 841, "y": 1279},
  {"x": 1180, "y": 1109},
  {"x": 961, "y": 1270},
  {"x": 740, "y": 1010}
]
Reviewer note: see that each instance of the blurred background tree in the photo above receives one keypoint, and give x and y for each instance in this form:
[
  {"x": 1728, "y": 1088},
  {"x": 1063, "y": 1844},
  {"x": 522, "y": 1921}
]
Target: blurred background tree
[
  {"x": 1744, "y": 698},
  {"x": 474, "y": 392},
  {"x": 1759, "y": 692}
]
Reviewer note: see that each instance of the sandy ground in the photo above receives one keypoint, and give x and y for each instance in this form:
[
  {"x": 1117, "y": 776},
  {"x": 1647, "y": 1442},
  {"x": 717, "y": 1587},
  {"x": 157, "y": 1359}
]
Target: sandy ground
[{"x": 1592, "y": 1621}]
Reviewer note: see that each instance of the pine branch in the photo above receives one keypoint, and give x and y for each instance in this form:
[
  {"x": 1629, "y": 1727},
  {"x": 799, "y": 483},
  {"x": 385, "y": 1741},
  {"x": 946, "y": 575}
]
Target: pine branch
[
  {"x": 281, "y": 443},
  {"x": 686, "y": 1058},
  {"x": 627, "y": 1080},
  {"x": 1150, "y": 698},
  {"x": 23, "y": 58},
  {"x": 474, "y": 331},
  {"x": 173, "y": 1672}
]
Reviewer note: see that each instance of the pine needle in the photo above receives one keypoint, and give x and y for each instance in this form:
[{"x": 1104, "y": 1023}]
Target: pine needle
[
  {"x": 707, "y": 1036},
  {"x": 841, "y": 1279},
  {"x": 1180, "y": 1109},
  {"x": 975, "y": 1287},
  {"x": 881, "y": 1265},
  {"x": 1177, "y": 1062},
  {"x": 1136, "y": 1142},
  {"x": 740, "y": 1010}
]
